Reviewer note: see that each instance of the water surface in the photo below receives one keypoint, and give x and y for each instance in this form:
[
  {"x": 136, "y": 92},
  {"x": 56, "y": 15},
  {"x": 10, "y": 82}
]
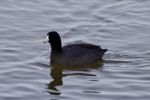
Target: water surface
[{"x": 121, "y": 26}]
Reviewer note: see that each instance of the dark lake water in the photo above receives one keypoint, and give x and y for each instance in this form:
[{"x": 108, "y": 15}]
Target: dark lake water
[{"x": 121, "y": 26}]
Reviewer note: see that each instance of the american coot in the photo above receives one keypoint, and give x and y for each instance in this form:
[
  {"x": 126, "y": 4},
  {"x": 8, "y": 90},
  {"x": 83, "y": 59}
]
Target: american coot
[{"x": 73, "y": 54}]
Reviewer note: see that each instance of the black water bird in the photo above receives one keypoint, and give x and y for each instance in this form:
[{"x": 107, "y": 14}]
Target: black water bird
[{"x": 73, "y": 54}]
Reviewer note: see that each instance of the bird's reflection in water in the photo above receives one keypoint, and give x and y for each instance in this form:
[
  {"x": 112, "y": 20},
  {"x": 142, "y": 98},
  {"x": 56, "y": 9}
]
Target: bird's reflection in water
[{"x": 57, "y": 75}]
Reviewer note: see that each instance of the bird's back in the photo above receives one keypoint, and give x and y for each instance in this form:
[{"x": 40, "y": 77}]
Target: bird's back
[{"x": 78, "y": 54}]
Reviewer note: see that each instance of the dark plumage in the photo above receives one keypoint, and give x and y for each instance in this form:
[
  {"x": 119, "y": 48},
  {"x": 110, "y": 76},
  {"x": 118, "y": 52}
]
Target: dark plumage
[{"x": 73, "y": 54}]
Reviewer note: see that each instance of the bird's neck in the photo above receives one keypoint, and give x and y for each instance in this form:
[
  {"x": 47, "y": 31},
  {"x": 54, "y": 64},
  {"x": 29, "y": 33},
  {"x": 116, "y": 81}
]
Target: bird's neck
[{"x": 56, "y": 48}]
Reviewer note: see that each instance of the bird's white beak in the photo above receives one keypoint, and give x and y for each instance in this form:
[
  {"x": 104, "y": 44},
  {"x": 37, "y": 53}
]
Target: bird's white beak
[{"x": 46, "y": 39}]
